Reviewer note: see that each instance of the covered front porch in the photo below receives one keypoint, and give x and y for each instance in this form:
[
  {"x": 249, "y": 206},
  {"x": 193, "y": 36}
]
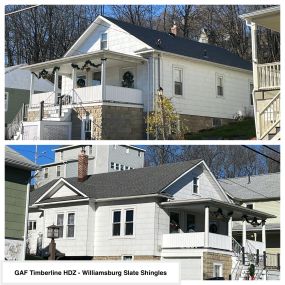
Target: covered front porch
[
  {"x": 101, "y": 76},
  {"x": 207, "y": 224}
]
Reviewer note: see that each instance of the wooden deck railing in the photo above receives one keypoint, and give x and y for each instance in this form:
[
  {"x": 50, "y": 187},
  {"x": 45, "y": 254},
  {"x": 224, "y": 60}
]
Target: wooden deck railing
[{"x": 268, "y": 75}]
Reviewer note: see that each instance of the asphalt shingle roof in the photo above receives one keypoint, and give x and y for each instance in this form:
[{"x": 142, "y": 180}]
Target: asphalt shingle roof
[
  {"x": 141, "y": 181},
  {"x": 182, "y": 46},
  {"x": 261, "y": 187},
  {"x": 15, "y": 159}
]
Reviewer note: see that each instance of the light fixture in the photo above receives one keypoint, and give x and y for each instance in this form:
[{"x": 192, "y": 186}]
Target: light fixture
[{"x": 53, "y": 232}]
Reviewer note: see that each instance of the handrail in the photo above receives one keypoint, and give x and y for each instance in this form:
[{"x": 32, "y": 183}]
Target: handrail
[
  {"x": 268, "y": 75},
  {"x": 237, "y": 249},
  {"x": 270, "y": 103}
]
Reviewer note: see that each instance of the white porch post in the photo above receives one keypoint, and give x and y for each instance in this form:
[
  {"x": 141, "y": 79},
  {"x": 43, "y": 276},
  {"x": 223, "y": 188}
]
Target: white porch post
[
  {"x": 32, "y": 87},
  {"x": 55, "y": 86},
  {"x": 103, "y": 78},
  {"x": 264, "y": 235},
  {"x": 254, "y": 53},
  {"x": 243, "y": 232},
  {"x": 206, "y": 235},
  {"x": 74, "y": 83}
]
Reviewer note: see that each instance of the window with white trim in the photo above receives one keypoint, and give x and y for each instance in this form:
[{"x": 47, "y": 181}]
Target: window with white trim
[
  {"x": 70, "y": 233},
  {"x": 59, "y": 223},
  {"x": 218, "y": 270},
  {"x": 220, "y": 85},
  {"x": 116, "y": 227},
  {"x": 129, "y": 224},
  {"x": 195, "y": 185},
  {"x": 104, "y": 41},
  {"x": 32, "y": 225},
  {"x": 178, "y": 81},
  {"x": 6, "y": 101},
  {"x": 127, "y": 257},
  {"x": 58, "y": 171},
  {"x": 46, "y": 172}
]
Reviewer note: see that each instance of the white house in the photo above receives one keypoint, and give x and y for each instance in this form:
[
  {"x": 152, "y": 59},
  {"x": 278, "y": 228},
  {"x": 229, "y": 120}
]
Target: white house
[
  {"x": 266, "y": 76},
  {"x": 101, "y": 159},
  {"x": 110, "y": 76},
  {"x": 172, "y": 212}
]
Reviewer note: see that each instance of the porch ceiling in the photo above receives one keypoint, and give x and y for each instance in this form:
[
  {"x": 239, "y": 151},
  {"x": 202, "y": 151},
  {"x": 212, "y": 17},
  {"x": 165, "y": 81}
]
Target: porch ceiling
[
  {"x": 113, "y": 59},
  {"x": 268, "y": 18},
  {"x": 198, "y": 205}
]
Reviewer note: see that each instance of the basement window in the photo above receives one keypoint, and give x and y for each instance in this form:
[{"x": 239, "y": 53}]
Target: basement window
[
  {"x": 127, "y": 257},
  {"x": 178, "y": 81},
  {"x": 217, "y": 270},
  {"x": 104, "y": 41}
]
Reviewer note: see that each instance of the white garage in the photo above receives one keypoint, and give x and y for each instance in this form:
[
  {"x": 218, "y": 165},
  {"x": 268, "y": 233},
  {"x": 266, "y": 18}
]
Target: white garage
[{"x": 190, "y": 267}]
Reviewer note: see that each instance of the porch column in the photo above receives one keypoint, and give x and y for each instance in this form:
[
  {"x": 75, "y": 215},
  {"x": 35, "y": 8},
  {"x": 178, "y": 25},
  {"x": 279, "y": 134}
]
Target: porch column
[
  {"x": 243, "y": 232},
  {"x": 264, "y": 235},
  {"x": 103, "y": 78},
  {"x": 74, "y": 83},
  {"x": 32, "y": 87},
  {"x": 55, "y": 86},
  {"x": 254, "y": 54},
  {"x": 230, "y": 227},
  {"x": 206, "y": 231}
]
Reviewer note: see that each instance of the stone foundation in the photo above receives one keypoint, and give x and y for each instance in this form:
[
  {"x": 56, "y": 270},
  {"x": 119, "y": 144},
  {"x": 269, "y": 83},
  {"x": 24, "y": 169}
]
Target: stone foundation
[
  {"x": 209, "y": 258},
  {"x": 110, "y": 122},
  {"x": 197, "y": 123}
]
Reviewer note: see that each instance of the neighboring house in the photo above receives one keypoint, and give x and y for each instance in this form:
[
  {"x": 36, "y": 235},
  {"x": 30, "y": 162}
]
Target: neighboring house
[
  {"x": 17, "y": 93},
  {"x": 102, "y": 158},
  {"x": 262, "y": 193},
  {"x": 172, "y": 212},
  {"x": 17, "y": 179},
  {"x": 110, "y": 76},
  {"x": 266, "y": 76}
]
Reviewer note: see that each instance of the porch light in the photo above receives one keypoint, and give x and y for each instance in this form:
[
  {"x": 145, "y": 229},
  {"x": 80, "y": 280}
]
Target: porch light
[{"x": 52, "y": 232}]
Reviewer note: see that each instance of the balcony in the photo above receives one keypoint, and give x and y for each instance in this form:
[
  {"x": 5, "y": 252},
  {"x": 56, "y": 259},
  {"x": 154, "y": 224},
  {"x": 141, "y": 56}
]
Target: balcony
[
  {"x": 92, "y": 94},
  {"x": 268, "y": 76},
  {"x": 196, "y": 240}
]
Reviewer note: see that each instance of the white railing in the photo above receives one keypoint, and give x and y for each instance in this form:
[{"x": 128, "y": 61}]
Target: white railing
[
  {"x": 268, "y": 75},
  {"x": 183, "y": 240},
  {"x": 124, "y": 95},
  {"x": 16, "y": 125},
  {"x": 196, "y": 240},
  {"x": 269, "y": 117},
  {"x": 47, "y": 97},
  {"x": 251, "y": 246},
  {"x": 220, "y": 241},
  {"x": 91, "y": 94}
]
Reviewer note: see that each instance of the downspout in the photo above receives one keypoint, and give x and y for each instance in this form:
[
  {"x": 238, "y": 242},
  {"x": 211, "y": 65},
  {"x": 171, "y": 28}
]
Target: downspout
[
  {"x": 148, "y": 98},
  {"x": 26, "y": 220}
]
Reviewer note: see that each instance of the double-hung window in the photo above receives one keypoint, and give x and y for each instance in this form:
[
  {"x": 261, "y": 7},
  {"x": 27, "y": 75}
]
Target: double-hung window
[
  {"x": 220, "y": 85},
  {"x": 87, "y": 128},
  {"x": 32, "y": 225},
  {"x": 46, "y": 173},
  {"x": 59, "y": 223},
  {"x": 6, "y": 101},
  {"x": 116, "y": 231},
  {"x": 70, "y": 225},
  {"x": 178, "y": 81},
  {"x": 195, "y": 185},
  {"x": 104, "y": 41},
  {"x": 129, "y": 224}
]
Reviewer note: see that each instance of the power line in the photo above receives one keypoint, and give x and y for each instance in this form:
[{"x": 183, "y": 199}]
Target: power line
[
  {"x": 271, "y": 149},
  {"x": 258, "y": 152},
  {"x": 21, "y": 10}
]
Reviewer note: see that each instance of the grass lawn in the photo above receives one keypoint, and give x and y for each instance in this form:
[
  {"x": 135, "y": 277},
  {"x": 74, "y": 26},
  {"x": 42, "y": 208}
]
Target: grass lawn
[{"x": 240, "y": 130}]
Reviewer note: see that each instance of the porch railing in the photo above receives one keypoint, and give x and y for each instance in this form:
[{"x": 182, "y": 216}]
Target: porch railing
[
  {"x": 268, "y": 75},
  {"x": 251, "y": 246},
  {"x": 16, "y": 125}
]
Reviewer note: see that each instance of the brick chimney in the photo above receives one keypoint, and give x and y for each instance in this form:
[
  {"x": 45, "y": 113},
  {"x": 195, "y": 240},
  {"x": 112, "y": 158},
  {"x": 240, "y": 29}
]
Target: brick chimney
[
  {"x": 82, "y": 166},
  {"x": 173, "y": 29}
]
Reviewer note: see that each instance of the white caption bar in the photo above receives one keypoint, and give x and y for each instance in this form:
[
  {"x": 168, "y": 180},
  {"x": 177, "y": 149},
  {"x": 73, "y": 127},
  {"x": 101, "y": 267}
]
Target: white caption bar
[{"x": 90, "y": 272}]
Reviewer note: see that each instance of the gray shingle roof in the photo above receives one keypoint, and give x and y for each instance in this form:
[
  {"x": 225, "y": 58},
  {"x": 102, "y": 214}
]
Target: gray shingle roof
[
  {"x": 141, "y": 181},
  {"x": 182, "y": 46},
  {"x": 15, "y": 159},
  {"x": 261, "y": 187}
]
